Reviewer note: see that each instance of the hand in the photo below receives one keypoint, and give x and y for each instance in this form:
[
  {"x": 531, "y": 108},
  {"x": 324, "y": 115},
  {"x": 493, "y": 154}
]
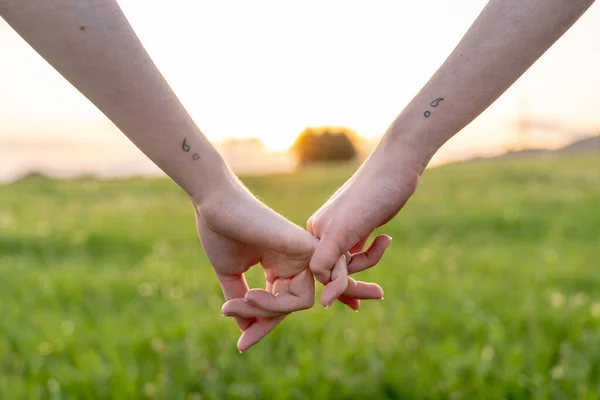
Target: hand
[
  {"x": 273, "y": 304},
  {"x": 237, "y": 232},
  {"x": 371, "y": 198}
]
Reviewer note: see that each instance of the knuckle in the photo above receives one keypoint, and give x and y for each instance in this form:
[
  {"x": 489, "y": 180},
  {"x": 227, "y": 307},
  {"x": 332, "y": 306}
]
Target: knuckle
[
  {"x": 318, "y": 268},
  {"x": 308, "y": 303},
  {"x": 310, "y": 224},
  {"x": 323, "y": 276}
]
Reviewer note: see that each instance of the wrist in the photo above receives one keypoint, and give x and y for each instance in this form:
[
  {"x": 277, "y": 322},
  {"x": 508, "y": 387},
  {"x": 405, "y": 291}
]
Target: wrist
[
  {"x": 409, "y": 143},
  {"x": 214, "y": 180},
  {"x": 400, "y": 150},
  {"x": 396, "y": 164}
]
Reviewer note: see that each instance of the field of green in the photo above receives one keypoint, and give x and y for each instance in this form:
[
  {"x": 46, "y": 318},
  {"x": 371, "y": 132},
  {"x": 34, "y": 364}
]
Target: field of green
[{"x": 492, "y": 292}]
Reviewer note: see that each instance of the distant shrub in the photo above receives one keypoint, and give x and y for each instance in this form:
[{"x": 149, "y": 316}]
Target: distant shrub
[
  {"x": 324, "y": 144},
  {"x": 34, "y": 175}
]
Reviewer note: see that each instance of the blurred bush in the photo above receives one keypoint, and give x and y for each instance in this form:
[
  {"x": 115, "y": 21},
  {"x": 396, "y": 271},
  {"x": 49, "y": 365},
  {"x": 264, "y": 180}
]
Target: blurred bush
[{"x": 325, "y": 144}]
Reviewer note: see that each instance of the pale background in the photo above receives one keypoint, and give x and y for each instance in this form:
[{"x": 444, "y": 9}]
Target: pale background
[{"x": 268, "y": 69}]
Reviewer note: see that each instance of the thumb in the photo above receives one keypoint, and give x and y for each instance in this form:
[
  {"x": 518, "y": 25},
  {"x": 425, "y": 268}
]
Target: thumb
[
  {"x": 326, "y": 254},
  {"x": 328, "y": 265},
  {"x": 338, "y": 285}
]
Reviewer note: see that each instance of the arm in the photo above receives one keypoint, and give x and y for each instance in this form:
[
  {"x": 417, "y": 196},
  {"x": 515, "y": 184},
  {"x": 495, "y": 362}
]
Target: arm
[
  {"x": 504, "y": 41},
  {"x": 93, "y": 46}
]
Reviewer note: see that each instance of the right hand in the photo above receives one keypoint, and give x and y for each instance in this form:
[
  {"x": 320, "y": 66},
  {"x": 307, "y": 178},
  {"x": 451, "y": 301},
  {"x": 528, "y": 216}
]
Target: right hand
[{"x": 371, "y": 198}]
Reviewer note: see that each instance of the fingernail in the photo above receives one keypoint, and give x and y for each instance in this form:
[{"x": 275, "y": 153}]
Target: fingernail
[{"x": 381, "y": 298}]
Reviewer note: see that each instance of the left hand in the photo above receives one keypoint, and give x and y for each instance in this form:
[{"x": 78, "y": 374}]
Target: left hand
[{"x": 237, "y": 231}]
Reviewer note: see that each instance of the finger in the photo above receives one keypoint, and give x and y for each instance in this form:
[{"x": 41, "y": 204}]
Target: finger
[
  {"x": 360, "y": 246},
  {"x": 264, "y": 227},
  {"x": 257, "y": 331},
  {"x": 369, "y": 258},
  {"x": 351, "y": 302},
  {"x": 280, "y": 303},
  {"x": 327, "y": 253},
  {"x": 242, "y": 308},
  {"x": 363, "y": 290},
  {"x": 310, "y": 225},
  {"x": 295, "y": 294},
  {"x": 338, "y": 284},
  {"x": 235, "y": 287}
]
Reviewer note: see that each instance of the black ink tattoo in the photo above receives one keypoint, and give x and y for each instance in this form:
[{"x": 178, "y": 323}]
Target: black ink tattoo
[
  {"x": 434, "y": 103},
  {"x": 185, "y": 147}
]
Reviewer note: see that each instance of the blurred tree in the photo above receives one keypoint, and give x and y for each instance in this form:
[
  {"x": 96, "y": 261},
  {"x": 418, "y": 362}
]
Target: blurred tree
[{"x": 325, "y": 144}]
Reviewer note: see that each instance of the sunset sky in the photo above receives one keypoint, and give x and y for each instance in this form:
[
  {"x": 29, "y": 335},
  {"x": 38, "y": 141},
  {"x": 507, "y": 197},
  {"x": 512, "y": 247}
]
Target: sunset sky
[{"x": 268, "y": 69}]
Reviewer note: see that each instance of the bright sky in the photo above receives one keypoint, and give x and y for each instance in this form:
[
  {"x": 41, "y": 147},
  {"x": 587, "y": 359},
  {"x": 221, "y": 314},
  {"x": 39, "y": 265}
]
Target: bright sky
[{"x": 270, "y": 68}]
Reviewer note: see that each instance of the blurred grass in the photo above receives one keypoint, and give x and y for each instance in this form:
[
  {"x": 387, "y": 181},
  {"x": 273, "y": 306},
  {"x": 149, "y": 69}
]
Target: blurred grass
[{"x": 492, "y": 291}]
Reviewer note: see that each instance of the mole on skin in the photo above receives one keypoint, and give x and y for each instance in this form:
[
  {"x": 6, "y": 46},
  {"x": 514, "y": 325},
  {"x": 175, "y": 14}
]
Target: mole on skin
[{"x": 82, "y": 28}]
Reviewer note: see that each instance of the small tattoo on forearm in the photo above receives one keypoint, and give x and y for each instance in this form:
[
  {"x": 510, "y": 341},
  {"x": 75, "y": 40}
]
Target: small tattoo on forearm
[
  {"x": 185, "y": 146},
  {"x": 434, "y": 103}
]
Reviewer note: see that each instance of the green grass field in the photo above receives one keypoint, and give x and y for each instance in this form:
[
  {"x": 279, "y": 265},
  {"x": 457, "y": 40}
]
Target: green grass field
[{"x": 492, "y": 291}]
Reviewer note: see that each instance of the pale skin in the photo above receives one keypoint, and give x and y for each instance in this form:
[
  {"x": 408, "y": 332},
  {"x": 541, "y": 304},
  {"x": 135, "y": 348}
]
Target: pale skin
[
  {"x": 504, "y": 41},
  {"x": 93, "y": 46}
]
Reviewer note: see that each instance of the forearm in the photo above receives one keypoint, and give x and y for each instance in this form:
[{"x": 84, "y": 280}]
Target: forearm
[
  {"x": 92, "y": 45},
  {"x": 504, "y": 41}
]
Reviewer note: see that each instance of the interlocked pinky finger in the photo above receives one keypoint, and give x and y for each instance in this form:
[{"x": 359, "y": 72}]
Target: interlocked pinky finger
[{"x": 243, "y": 309}]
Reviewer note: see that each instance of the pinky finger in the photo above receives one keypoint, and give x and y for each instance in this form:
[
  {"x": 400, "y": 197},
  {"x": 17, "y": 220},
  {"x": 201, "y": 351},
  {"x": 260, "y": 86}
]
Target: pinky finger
[
  {"x": 257, "y": 331},
  {"x": 351, "y": 302}
]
